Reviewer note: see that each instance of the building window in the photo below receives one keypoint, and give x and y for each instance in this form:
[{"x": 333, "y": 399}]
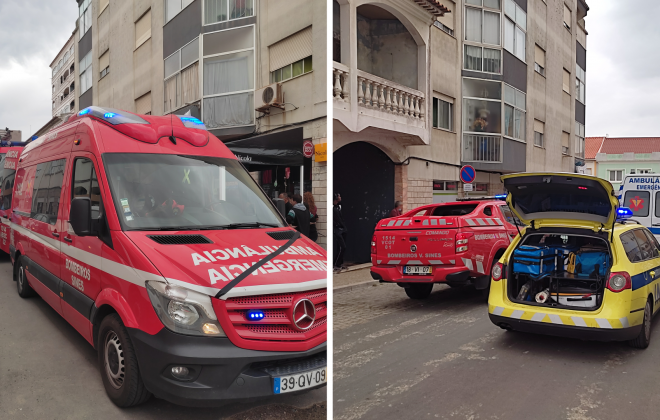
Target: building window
[
  {"x": 228, "y": 94},
  {"x": 515, "y": 106},
  {"x": 143, "y": 29},
  {"x": 445, "y": 185},
  {"x": 182, "y": 77},
  {"x": 539, "y": 129},
  {"x": 223, "y": 10},
  {"x": 615, "y": 175},
  {"x": 566, "y": 82},
  {"x": 173, "y": 7},
  {"x": 579, "y": 140},
  {"x": 85, "y": 17},
  {"x": 482, "y": 59},
  {"x": 104, "y": 64},
  {"x": 482, "y": 121},
  {"x": 539, "y": 60},
  {"x": 86, "y": 73},
  {"x": 292, "y": 70},
  {"x": 565, "y": 141},
  {"x": 580, "y": 82},
  {"x": 515, "y": 28},
  {"x": 482, "y": 26},
  {"x": 443, "y": 114},
  {"x": 567, "y": 17}
]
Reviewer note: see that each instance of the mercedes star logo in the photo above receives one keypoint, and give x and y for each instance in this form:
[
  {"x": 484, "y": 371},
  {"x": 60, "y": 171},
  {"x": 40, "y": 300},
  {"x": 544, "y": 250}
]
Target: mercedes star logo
[
  {"x": 413, "y": 248},
  {"x": 304, "y": 314}
]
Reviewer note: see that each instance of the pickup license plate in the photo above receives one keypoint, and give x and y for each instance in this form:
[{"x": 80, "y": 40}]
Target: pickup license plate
[
  {"x": 299, "y": 381},
  {"x": 418, "y": 269}
]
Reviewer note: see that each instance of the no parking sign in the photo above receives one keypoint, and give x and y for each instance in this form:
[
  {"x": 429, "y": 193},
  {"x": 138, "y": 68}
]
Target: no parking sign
[{"x": 468, "y": 174}]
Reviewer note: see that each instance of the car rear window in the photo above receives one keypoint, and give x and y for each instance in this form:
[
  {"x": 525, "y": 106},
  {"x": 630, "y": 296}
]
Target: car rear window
[
  {"x": 454, "y": 210},
  {"x": 638, "y": 202}
]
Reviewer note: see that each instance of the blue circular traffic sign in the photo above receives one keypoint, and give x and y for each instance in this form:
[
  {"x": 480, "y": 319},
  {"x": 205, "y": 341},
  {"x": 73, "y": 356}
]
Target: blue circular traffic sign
[{"x": 468, "y": 174}]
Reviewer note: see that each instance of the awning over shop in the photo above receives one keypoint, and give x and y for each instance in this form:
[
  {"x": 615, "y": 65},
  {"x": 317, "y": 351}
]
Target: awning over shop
[{"x": 283, "y": 148}]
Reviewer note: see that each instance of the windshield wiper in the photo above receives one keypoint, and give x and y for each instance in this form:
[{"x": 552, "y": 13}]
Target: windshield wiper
[{"x": 249, "y": 225}]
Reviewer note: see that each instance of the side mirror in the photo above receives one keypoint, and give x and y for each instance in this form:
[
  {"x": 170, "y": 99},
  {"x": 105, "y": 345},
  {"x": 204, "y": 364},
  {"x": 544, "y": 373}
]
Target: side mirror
[{"x": 80, "y": 216}]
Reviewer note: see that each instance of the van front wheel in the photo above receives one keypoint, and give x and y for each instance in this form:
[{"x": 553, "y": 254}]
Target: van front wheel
[
  {"x": 118, "y": 364},
  {"x": 644, "y": 338},
  {"x": 419, "y": 291},
  {"x": 22, "y": 287}
]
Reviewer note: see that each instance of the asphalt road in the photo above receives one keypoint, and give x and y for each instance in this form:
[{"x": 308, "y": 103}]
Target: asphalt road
[
  {"x": 48, "y": 371},
  {"x": 396, "y": 358}
]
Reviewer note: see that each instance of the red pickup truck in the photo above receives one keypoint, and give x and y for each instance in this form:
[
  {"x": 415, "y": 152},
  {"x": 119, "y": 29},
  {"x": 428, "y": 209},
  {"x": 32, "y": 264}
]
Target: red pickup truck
[{"x": 454, "y": 243}]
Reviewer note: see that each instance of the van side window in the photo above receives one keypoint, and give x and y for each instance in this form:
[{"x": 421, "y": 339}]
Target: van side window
[
  {"x": 657, "y": 204},
  {"x": 488, "y": 211},
  {"x": 6, "y": 187},
  {"x": 638, "y": 202},
  {"x": 47, "y": 190},
  {"x": 85, "y": 184}
]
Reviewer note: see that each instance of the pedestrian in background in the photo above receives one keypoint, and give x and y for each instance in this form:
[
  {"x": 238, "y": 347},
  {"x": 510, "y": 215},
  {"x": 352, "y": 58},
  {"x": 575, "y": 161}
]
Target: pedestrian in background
[
  {"x": 308, "y": 201},
  {"x": 299, "y": 217},
  {"x": 397, "y": 210},
  {"x": 339, "y": 233},
  {"x": 287, "y": 202}
]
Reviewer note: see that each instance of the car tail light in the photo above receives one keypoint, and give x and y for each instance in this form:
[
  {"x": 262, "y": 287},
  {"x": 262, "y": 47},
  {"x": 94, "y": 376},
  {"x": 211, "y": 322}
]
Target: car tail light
[
  {"x": 497, "y": 271},
  {"x": 462, "y": 242},
  {"x": 619, "y": 281},
  {"x": 373, "y": 244}
]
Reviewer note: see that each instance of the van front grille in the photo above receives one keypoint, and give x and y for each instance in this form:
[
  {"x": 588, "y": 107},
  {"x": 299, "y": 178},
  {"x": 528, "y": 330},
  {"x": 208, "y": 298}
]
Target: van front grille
[{"x": 180, "y": 239}]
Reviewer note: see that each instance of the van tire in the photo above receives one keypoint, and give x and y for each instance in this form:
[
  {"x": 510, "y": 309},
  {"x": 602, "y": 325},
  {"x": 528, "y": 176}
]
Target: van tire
[
  {"x": 22, "y": 287},
  {"x": 121, "y": 378},
  {"x": 644, "y": 338},
  {"x": 419, "y": 291}
]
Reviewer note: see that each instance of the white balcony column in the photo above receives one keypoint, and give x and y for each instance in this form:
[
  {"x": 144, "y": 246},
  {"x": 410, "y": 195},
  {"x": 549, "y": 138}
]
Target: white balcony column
[
  {"x": 388, "y": 102},
  {"x": 360, "y": 95},
  {"x": 422, "y": 109},
  {"x": 337, "y": 85},
  {"x": 381, "y": 97},
  {"x": 368, "y": 93}
]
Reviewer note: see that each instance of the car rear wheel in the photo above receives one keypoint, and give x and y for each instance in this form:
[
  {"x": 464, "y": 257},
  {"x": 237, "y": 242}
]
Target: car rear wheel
[
  {"x": 118, "y": 364},
  {"x": 644, "y": 338},
  {"x": 419, "y": 291},
  {"x": 22, "y": 287}
]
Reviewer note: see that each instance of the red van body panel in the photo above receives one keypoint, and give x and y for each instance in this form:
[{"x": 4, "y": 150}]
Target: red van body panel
[
  {"x": 419, "y": 238},
  {"x": 7, "y": 178}
]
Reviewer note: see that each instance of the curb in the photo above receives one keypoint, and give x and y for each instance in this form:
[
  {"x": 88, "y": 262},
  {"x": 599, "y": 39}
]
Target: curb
[{"x": 354, "y": 286}]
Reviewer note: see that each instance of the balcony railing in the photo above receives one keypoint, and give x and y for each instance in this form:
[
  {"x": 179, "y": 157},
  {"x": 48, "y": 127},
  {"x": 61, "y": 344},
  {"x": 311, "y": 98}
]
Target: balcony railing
[
  {"x": 385, "y": 95},
  {"x": 340, "y": 82},
  {"x": 482, "y": 148}
]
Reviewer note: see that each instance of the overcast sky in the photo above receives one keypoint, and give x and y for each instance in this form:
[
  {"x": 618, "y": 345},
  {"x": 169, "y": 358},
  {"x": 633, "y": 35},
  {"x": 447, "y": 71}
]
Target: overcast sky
[
  {"x": 32, "y": 32},
  {"x": 623, "y": 92}
]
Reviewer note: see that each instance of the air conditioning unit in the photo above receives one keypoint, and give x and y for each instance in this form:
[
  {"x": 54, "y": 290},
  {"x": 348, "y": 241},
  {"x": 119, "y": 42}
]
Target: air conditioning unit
[{"x": 269, "y": 96}]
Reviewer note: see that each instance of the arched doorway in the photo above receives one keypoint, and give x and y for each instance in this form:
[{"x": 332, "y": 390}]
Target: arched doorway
[{"x": 364, "y": 176}]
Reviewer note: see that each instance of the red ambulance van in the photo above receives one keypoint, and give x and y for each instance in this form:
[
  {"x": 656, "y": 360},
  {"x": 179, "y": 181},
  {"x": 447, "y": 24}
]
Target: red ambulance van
[
  {"x": 153, "y": 241},
  {"x": 8, "y": 163}
]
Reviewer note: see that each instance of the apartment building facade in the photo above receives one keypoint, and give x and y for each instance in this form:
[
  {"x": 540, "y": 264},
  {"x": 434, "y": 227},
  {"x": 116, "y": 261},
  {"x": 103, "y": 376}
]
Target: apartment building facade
[
  {"x": 64, "y": 79},
  {"x": 216, "y": 60},
  {"x": 621, "y": 156},
  {"x": 423, "y": 87}
]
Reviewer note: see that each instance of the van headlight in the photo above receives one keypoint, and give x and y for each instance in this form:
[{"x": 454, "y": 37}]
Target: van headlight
[{"x": 184, "y": 311}]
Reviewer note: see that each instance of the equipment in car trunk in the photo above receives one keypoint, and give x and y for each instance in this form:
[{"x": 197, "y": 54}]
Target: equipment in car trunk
[
  {"x": 592, "y": 262},
  {"x": 543, "y": 296},
  {"x": 535, "y": 261}
]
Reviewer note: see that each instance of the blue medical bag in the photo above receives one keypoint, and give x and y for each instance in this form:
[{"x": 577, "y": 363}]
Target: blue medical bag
[
  {"x": 535, "y": 261},
  {"x": 588, "y": 262}
]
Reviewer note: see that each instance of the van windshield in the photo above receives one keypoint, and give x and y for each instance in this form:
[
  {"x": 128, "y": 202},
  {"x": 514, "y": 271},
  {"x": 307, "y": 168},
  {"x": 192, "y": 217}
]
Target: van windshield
[{"x": 174, "y": 192}]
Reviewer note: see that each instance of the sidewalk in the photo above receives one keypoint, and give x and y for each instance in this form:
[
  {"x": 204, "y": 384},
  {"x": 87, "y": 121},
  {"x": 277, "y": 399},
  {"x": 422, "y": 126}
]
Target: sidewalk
[{"x": 355, "y": 277}]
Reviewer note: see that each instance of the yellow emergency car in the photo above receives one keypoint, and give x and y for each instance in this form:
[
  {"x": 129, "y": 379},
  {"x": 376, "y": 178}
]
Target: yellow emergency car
[{"x": 580, "y": 266}]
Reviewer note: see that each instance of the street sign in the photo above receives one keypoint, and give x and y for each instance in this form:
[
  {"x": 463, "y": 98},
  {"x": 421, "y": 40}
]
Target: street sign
[
  {"x": 308, "y": 149},
  {"x": 467, "y": 187},
  {"x": 468, "y": 174}
]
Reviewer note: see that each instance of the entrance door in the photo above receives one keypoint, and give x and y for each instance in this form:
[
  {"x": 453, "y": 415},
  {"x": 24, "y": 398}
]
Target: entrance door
[{"x": 364, "y": 177}]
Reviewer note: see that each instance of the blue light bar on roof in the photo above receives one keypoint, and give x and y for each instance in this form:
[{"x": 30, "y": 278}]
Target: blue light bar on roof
[
  {"x": 192, "y": 122},
  {"x": 112, "y": 116},
  {"x": 109, "y": 115},
  {"x": 500, "y": 197},
  {"x": 623, "y": 213},
  {"x": 85, "y": 111}
]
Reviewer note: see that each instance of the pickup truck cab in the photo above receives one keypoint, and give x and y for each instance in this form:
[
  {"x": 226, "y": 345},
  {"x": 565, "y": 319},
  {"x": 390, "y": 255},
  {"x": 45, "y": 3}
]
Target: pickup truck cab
[
  {"x": 454, "y": 243},
  {"x": 153, "y": 241}
]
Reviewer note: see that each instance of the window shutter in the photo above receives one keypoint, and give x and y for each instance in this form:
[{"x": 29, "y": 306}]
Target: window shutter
[
  {"x": 567, "y": 16},
  {"x": 143, "y": 104},
  {"x": 539, "y": 127},
  {"x": 539, "y": 56},
  {"x": 291, "y": 49},
  {"x": 567, "y": 81},
  {"x": 103, "y": 4},
  {"x": 565, "y": 139},
  {"x": 143, "y": 29},
  {"x": 104, "y": 60}
]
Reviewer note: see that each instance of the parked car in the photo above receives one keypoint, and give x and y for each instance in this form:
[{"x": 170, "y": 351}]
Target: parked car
[
  {"x": 153, "y": 241},
  {"x": 454, "y": 243},
  {"x": 579, "y": 269}
]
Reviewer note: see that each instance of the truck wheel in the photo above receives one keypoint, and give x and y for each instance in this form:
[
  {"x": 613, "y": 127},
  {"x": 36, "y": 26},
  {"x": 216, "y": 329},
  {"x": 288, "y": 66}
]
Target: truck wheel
[
  {"x": 118, "y": 364},
  {"x": 419, "y": 291},
  {"x": 644, "y": 338},
  {"x": 22, "y": 287}
]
